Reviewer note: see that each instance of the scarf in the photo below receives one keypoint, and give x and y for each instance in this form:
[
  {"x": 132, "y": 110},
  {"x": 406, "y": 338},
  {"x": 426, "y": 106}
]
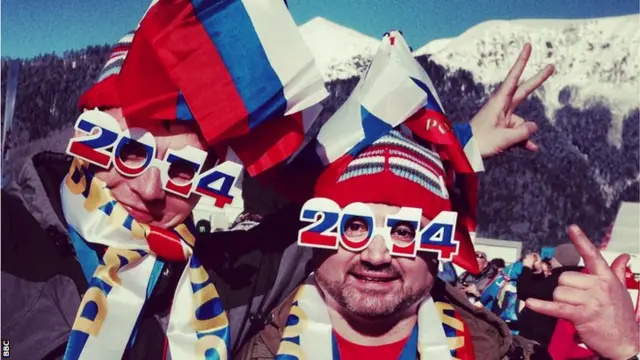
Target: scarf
[
  {"x": 121, "y": 282},
  {"x": 308, "y": 333}
]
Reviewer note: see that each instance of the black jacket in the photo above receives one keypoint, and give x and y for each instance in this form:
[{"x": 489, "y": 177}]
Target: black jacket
[
  {"x": 43, "y": 283},
  {"x": 535, "y": 326}
]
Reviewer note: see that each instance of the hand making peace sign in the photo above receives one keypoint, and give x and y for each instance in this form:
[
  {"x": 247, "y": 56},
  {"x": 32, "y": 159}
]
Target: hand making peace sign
[
  {"x": 495, "y": 127},
  {"x": 598, "y": 303}
]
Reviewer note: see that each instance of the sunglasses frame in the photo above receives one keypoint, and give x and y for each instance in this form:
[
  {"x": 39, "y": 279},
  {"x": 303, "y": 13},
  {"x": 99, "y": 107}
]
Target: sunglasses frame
[{"x": 102, "y": 140}]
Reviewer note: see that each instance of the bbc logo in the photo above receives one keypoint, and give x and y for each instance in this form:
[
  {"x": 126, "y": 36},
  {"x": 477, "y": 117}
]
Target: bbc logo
[{"x": 6, "y": 349}]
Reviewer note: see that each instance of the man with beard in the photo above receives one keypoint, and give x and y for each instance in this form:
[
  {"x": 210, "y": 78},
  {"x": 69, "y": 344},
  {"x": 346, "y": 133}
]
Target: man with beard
[
  {"x": 369, "y": 304},
  {"x": 370, "y": 296},
  {"x": 374, "y": 291}
]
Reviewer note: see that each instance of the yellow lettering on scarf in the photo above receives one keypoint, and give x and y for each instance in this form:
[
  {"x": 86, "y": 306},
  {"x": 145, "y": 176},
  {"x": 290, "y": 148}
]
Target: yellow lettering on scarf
[
  {"x": 98, "y": 195},
  {"x": 201, "y": 297},
  {"x": 446, "y": 319},
  {"x": 297, "y": 329},
  {"x": 112, "y": 259},
  {"x": 209, "y": 342},
  {"x": 118, "y": 216},
  {"x": 108, "y": 274},
  {"x": 113, "y": 255},
  {"x": 88, "y": 326},
  {"x": 81, "y": 185},
  {"x": 456, "y": 342},
  {"x": 186, "y": 234},
  {"x": 292, "y": 349},
  {"x": 198, "y": 275},
  {"x": 207, "y": 293},
  {"x": 139, "y": 231}
]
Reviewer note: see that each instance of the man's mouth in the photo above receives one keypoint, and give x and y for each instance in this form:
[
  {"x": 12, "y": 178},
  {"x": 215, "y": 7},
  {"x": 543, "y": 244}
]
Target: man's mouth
[
  {"x": 375, "y": 277},
  {"x": 140, "y": 215}
]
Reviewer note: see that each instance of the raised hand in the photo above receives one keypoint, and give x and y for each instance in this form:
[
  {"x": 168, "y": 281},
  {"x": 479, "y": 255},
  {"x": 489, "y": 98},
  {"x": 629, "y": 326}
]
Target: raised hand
[
  {"x": 530, "y": 260},
  {"x": 495, "y": 127},
  {"x": 598, "y": 303}
]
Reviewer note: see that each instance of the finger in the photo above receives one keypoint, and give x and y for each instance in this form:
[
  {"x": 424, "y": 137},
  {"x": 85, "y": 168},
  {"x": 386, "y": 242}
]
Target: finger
[
  {"x": 518, "y": 134},
  {"x": 510, "y": 83},
  {"x": 619, "y": 267},
  {"x": 515, "y": 121},
  {"x": 531, "y": 85},
  {"x": 593, "y": 260},
  {"x": 570, "y": 295},
  {"x": 531, "y": 146},
  {"x": 578, "y": 280},
  {"x": 553, "y": 308}
]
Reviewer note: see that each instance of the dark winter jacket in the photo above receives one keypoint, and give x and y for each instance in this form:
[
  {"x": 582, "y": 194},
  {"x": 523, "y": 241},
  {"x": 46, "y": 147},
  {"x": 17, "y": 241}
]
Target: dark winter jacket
[{"x": 491, "y": 338}]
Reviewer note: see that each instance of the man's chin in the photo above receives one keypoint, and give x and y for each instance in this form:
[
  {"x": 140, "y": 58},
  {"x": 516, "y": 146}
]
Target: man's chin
[{"x": 370, "y": 304}]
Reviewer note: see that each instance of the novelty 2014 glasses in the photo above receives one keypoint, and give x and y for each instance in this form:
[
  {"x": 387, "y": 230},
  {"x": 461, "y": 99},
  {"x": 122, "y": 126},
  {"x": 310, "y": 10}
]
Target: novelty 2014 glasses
[
  {"x": 133, "y": 151},
  {"x": 354, "y": 227}
]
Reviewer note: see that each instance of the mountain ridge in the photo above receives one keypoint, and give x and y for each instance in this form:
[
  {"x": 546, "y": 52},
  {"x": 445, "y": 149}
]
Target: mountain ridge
[{"x": 578, "y": 176}]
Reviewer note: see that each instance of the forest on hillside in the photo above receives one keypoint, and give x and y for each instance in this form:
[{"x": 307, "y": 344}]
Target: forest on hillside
[{"x": 576, "y": 177}]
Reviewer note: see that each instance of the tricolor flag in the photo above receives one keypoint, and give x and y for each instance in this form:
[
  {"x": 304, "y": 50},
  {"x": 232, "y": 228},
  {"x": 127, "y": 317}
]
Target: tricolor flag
[
  {"x": 233, "y": 66},
  {"x": 383, "y": 99}
]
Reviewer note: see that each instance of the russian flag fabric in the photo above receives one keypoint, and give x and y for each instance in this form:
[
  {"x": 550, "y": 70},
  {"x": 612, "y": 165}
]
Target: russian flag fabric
[{"x": 226, "y": 65}]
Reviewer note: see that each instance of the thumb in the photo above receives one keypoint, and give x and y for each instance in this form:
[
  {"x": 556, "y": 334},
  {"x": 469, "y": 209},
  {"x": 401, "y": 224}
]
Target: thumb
[
  {"x": 619, "y": 266},
  {"x": 519, "y": 133}
]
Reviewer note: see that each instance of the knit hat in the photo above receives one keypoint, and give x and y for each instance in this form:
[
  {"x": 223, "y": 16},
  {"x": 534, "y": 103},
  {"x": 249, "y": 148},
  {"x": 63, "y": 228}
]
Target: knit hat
[
  {"x": 104, "y": 92},
  {"x": 395, "y": 170},
  {"x": 567, "y": 255}
]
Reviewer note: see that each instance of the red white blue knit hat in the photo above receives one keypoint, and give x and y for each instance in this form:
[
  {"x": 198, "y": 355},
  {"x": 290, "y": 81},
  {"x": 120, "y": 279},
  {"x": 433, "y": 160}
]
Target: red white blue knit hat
[
  {"x": 104, "y": 93},
  {"x": 394, "y": 170}
]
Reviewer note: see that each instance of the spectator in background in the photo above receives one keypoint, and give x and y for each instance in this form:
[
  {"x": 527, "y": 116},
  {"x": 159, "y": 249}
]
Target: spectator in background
[
  {"x": 498, "y": 263},
  {"x": 447, "y": 273},
  {"x": 545, "y": 267},
  {"x": 473, "y": 285},
  {"x": 594, "y": 308},
  {"x": 535, "y": 326},
  {"x": 203, "y": 226},
  {"x": 500, "y": 297}
]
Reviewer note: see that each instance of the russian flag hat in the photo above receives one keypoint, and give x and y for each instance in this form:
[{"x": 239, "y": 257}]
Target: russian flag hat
[
  {"x": 391, "y": 143},
  {"x": 252, "y": 88}
]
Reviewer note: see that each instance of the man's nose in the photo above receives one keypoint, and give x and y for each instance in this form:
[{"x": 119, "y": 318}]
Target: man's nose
[
  {"x": 148, "y": 186},
  {"x": 377, "y": 252}
]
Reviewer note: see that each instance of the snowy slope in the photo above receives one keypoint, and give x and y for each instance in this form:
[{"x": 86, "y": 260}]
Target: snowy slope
[
  {"x": 339, "y": 51},
  {"x": 597, "y": 58}
]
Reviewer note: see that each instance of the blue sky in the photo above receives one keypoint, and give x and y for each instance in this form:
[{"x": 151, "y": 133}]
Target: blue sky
[{"x": 58, "y": 25}]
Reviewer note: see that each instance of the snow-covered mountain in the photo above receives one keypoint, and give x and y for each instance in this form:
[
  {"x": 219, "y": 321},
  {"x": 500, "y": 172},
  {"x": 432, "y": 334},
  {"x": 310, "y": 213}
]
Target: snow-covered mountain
[
  {"x": 597, "y": 59},
  {"x": 340, "y": 52}
]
